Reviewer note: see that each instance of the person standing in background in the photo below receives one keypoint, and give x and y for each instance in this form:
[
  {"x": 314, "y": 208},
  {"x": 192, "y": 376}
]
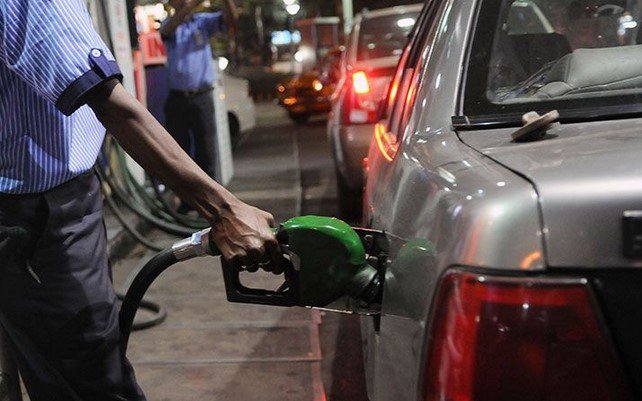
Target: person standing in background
[{"x": 190, "y": 103}]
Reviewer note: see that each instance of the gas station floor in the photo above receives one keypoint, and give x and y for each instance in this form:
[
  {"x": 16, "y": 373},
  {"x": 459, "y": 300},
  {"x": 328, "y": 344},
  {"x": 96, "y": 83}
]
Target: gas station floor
[{"x": 209, "y": 349}]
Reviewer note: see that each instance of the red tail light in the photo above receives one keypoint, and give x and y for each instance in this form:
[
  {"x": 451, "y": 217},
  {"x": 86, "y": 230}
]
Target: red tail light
[
  {"x": 360, "y": 105},
  {"x": 527, "y": 339},
  {"x": 360, "y": 83}
]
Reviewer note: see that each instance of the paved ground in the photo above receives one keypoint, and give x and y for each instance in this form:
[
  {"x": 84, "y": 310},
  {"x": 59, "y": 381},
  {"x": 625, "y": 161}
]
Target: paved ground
[{"x": 209, "y": 349}]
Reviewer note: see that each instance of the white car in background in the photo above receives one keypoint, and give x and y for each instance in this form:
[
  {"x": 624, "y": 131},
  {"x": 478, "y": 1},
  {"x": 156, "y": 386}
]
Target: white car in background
[{"x": 240, "y": 106}]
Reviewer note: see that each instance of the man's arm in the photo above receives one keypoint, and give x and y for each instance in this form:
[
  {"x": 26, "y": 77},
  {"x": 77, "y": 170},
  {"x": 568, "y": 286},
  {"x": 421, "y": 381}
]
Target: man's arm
[
  {"x": 240, "y": 231},
  {"x": 231, "y": 15},
  {"x": 168, "y": 28}
]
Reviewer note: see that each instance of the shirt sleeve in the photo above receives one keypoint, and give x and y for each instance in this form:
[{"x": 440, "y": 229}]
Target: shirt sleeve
[
  {"x": 212, "y": 23},
  {"x": 53, "y": 47}
]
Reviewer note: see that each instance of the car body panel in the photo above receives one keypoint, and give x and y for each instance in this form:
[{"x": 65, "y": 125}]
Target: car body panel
[
  {"x": 600, "y": 161},
  {"x": 238, "y": 101},
  {"x": 439, "y": 191},
  {"x": 351, "y": 144}
]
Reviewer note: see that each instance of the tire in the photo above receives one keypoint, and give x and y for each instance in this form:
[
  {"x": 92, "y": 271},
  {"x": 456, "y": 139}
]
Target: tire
[
  {"x": 299, "y": 118},
  {"x": 349, "y": 199}
]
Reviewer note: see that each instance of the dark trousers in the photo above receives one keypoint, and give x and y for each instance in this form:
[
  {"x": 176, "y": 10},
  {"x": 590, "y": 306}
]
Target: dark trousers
[
  {"x": 57, "y": 303},
  {"x": 185, "y": 114}
]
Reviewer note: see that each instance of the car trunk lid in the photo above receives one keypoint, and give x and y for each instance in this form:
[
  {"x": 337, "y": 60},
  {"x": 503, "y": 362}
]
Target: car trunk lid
[{"x": 587, "y": 175}]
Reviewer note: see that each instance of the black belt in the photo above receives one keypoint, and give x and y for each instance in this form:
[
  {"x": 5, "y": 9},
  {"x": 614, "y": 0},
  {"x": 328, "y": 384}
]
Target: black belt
[{"x": 190, "y": 93}]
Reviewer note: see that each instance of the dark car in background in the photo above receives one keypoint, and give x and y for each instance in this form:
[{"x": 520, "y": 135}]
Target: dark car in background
[
  {"x": 372, "y": 53},
  {"x": 309, "y": 93}
]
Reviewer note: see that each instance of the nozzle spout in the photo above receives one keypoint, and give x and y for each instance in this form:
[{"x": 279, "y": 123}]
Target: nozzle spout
[{"x": 367, "y": 285}]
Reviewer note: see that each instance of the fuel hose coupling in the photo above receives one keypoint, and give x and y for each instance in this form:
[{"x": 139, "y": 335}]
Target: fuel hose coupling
[{"x": 195, "y": 246}]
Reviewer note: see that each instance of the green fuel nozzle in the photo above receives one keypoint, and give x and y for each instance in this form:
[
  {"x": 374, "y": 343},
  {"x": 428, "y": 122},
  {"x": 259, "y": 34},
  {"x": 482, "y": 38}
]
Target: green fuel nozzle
[
  {"x": 330, "y": 259},
  {"x": 326, "y": 260}
]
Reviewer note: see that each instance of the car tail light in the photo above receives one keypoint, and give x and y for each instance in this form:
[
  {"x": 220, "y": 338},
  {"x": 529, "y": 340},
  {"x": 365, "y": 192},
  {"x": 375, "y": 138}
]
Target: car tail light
[
  {"x": 360, "y": 83},
  {"x": 527, "y": 339},
  {"x": 361, "y": 103}
]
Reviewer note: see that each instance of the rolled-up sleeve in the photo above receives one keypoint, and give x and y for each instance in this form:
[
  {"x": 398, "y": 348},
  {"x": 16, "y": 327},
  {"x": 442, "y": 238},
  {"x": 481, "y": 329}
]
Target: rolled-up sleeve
[
  {"x": 52, "y": 45},
  {"x": 213, "y": 23}
]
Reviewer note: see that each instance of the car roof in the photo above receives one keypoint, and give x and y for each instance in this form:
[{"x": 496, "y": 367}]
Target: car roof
[{"x": 383, "y": 12}]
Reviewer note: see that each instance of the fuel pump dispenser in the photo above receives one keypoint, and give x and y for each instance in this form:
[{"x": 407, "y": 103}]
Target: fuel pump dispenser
[{"x": 327, "y": 264}]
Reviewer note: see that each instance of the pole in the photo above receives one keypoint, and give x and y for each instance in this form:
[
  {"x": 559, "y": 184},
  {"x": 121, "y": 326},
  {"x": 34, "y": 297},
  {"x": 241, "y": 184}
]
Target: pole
[
  {"x": 290, "y": 22},
  {"x": 348, "y": 15}
]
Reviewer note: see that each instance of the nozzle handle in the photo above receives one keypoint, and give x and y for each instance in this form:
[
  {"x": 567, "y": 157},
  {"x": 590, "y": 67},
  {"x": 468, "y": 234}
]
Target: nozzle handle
[
  {"x": 199, "y": 244},
  {"x": 237, "y": 292}
]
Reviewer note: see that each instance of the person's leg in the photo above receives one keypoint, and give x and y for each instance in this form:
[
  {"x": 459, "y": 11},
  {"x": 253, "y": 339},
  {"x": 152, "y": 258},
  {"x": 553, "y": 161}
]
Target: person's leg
[
  {"x": 203, "y": 124},
  {"x": 177, "y": 123},
  {"x": 177, "y": 120},
  {"x": 58, "y": 305}
]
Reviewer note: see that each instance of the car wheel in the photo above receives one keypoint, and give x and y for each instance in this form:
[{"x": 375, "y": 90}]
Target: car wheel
[
  {"x": 299, "y": 118},
  {"x": 349, "y": 199}
]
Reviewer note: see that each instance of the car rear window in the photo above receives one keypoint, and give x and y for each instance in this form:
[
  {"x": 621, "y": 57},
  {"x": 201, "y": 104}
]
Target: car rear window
[
  {"x": 384, "y": 36},
  {"x": 582, "y": 57}
]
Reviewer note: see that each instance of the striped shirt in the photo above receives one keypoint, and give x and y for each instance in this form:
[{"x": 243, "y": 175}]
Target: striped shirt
[{"x": 50, "y": 57}]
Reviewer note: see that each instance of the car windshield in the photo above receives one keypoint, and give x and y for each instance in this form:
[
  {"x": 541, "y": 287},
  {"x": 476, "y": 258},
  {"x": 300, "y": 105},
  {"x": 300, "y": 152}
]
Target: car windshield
[
  {"x": 584, "y": 53},
  {"x": 384, "y": 36}
]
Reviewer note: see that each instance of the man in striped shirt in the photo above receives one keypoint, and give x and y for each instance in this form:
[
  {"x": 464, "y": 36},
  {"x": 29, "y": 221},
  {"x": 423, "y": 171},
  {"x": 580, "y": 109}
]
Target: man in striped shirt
[{"x": 59, "y": 90}]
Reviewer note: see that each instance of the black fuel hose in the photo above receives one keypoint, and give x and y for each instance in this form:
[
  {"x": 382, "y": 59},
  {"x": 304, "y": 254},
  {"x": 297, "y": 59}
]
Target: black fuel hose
[
  {"x": 156, "y": 265},
  {"x": 185, "y": 220},
  {"x": 129, "y": 227}
]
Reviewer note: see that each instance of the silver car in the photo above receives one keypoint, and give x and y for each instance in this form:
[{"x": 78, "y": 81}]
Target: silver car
[
  {"x": 372, "y": 53},
  {"x": 520, "y": 273}
]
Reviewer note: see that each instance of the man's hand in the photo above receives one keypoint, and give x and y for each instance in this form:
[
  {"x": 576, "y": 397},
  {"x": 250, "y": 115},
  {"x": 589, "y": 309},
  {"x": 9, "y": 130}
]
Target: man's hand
[
  {"x": 191, "y": 4},
  {"x": 244, "y": 236},
  {"x": 231, "y": 16},
  {"x": 231, "y": 9},
  {"x": 183, "y": 11}
]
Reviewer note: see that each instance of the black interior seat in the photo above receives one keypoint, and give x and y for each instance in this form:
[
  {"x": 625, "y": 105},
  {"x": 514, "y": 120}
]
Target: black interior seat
[{"x": 534, "y": 50}]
